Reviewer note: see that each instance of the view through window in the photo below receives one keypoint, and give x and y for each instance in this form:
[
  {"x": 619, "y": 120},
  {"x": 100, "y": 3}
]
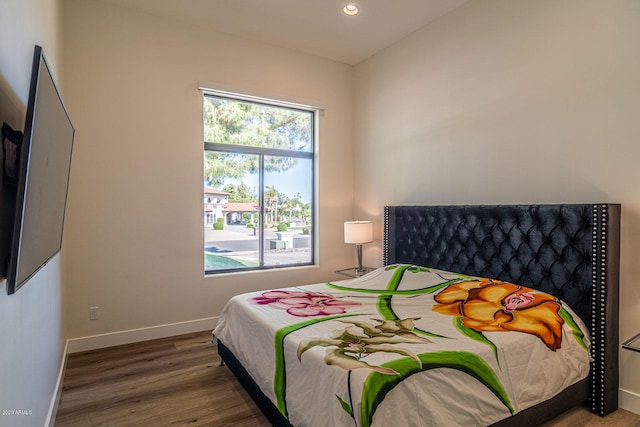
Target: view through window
[{"x": 258, "y": 185}]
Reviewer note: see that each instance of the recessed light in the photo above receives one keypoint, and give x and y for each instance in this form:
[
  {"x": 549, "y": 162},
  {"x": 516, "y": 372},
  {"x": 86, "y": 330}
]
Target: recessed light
[{"x": 350, "y": 9}]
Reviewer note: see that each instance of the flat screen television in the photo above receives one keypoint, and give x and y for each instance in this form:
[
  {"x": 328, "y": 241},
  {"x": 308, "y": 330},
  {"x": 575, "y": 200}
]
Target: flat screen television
[{"x": 42, "y": 178}]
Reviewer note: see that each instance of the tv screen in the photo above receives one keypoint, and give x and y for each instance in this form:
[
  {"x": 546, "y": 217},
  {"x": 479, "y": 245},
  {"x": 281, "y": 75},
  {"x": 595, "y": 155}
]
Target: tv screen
[{"x": 43, "y": 177}]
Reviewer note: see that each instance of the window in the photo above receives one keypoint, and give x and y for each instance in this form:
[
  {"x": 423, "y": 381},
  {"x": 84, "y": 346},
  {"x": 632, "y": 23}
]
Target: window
[{"x": 259, "y": 169}]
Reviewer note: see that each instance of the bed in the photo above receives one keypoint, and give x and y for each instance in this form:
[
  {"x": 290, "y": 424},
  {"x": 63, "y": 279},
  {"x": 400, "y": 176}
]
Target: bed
[{"x": 361, "y": 357}]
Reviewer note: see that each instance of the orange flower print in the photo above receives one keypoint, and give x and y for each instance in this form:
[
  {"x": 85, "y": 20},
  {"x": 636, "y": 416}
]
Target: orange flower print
[{"x": 487, "y": 305}]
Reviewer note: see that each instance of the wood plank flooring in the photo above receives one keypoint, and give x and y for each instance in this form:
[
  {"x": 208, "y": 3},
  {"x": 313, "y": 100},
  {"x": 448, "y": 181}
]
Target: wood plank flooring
[
  {"x": 178, "y": 381},
  {"x": 167, "y": 382}
]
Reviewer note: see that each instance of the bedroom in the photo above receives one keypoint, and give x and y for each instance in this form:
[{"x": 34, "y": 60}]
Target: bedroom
[{"x": 544, "y": 97}]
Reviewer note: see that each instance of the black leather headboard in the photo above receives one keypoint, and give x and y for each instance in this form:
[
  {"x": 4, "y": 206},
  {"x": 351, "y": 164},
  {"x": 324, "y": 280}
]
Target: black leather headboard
[{"x": 570, "y": 251}]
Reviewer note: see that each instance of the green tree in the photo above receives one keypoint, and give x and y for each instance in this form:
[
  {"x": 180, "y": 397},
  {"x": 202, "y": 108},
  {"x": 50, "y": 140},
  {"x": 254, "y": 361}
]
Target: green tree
[
  {"x": 294, "y": 206},
  {"x": 218, "y": 166},
  {"x": 271, "y": 199},
  {"x": 306, "y": 211},
  {"x": 232, "y": 122},
  {"x": 241, "y": 193}
]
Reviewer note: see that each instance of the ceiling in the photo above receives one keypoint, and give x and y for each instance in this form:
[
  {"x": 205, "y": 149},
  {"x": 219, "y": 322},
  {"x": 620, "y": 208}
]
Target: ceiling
[{"x": 318, "y": 27}]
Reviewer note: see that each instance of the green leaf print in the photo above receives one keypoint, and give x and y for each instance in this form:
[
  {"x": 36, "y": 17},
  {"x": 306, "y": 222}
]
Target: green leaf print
[{"x": 378, "y": 385}]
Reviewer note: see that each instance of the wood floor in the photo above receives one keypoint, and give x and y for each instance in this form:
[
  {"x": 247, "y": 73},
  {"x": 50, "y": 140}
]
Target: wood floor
[{"x": 178, "y": 381}]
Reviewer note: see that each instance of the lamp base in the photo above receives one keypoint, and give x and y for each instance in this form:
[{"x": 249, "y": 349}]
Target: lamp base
[{"x": 359, "y": 253}]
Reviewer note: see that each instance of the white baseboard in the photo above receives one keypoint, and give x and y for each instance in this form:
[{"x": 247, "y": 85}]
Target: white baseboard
[
  {"x": 93, "y": 342},
  {"x": 629, "y": 401},
  {"x": 53, "y": 407}
]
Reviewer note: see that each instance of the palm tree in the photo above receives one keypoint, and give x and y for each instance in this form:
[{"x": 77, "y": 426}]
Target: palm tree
[{"x": 271, "y": 197}]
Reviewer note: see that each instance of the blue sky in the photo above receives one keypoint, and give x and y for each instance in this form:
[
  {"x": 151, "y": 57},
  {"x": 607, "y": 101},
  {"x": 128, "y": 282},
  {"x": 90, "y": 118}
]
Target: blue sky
[{"x": 295, "y": 180}]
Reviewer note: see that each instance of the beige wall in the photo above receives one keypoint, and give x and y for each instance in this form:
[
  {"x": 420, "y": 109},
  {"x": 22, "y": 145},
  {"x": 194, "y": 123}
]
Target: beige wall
[
  {"x": 31, "y": 320},
  {"x": 507, "y": 101},
  {"x": 134, "y": 220}
]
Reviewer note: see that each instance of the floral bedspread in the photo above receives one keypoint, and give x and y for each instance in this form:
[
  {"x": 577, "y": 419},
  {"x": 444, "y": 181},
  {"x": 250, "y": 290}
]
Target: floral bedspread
[{"x": 405, "y": 345}]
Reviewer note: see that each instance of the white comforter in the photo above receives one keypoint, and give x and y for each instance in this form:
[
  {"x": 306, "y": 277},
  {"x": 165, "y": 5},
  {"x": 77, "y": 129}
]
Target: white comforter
[{"x": 405, "y": 346}]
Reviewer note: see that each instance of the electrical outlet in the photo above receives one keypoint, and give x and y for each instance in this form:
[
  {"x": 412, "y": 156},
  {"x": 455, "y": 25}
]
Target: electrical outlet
[{"x": 93, "y": 313}]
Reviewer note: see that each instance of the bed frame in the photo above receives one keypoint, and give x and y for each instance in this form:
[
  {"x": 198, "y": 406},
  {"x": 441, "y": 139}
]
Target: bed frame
[{"x": 570, "y": 251}]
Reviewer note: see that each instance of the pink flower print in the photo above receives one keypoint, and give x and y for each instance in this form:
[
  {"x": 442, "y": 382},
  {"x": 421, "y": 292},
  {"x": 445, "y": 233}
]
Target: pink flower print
[
  {"x": 518, "y": 301},
  {"x": 304, "y": 304}
]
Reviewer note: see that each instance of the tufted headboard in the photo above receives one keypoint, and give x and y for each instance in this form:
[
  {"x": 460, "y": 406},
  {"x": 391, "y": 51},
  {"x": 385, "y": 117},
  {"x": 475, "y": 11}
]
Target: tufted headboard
[{"x": 570, "y": 251}]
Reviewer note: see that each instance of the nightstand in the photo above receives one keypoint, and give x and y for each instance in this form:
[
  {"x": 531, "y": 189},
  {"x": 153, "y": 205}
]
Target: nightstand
[
  {"x": 354, "y": 272},
  {"x": 632, "y": 344}
]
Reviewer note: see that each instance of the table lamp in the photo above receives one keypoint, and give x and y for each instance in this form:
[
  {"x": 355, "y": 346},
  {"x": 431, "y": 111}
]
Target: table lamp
[{"x": 358, "y": 233}]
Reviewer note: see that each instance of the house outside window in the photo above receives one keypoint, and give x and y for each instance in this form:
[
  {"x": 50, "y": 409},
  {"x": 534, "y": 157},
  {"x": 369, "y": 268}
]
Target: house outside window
[{"x": 258, "y": 184}]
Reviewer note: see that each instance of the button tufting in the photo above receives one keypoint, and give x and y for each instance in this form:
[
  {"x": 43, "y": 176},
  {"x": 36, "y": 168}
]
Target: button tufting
[{"x": 522, "y": 246}]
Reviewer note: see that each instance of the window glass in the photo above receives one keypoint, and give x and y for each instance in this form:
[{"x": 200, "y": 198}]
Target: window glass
[
  {"x": 229, "y": 121},
  {"x": 232, "y": 225},
  {"x": 287, "y": 204}
]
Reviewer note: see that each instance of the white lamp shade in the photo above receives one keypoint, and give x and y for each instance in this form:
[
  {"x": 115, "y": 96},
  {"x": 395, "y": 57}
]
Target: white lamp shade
[{"x": 358, "y": 232}]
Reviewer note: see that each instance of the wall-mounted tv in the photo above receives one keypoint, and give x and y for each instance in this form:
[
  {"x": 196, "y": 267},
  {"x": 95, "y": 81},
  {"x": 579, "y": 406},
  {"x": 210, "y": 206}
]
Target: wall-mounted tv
[{"x": 42, "y": 178}]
